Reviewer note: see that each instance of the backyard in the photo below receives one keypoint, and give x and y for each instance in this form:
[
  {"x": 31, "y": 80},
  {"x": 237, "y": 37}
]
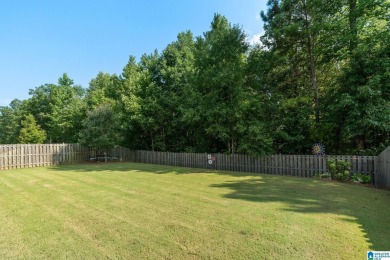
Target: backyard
[{"x": 134, "y": 210}]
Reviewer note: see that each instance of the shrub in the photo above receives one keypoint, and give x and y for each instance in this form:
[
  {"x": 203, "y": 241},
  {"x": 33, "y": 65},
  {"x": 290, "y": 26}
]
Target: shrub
[
  {"x": 339, "y": 170},
  {"x": 361, "y": 178},
  {"x": 343, "y": 176},
  {"x": 366, "y": 179}
]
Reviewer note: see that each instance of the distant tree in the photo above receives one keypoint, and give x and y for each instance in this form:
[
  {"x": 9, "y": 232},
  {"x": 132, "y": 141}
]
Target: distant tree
[
  {"x": 31, "y": 132},
  {"x": 320, "y": 74},
  {"x": 101, "y": 90},
  {"x": 10, "y": 119},
  {"x": 59, "y": 109},
  {"x": 101, "y": 128},
  {"x": 65, "y": 80},
  {"x": 360, "y": 106},
  {"x": 175, "y": 73},
  {"x": 357, "y": 106},
  {"x": 226, "y": 107},
  {"x": 142, "y": 103}
]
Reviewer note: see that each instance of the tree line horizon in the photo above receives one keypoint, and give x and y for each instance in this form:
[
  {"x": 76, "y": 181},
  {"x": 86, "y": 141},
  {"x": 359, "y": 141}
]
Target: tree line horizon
[{"x": 321, "y": 74}]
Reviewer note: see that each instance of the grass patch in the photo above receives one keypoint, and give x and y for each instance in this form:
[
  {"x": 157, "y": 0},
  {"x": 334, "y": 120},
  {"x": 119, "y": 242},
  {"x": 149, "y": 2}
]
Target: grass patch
[{"x": 130, "y": 210}]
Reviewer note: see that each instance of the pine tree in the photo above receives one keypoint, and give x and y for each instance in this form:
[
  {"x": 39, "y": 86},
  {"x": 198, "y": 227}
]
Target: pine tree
[{"x": 31, "y": 132}]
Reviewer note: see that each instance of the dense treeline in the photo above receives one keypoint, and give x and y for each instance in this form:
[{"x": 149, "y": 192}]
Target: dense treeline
[{"x": 320, "y": 74}]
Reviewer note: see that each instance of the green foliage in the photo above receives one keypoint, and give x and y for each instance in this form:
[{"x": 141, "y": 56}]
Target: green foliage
[
  {"x": 101, "y": 90},
  {"x": 321, "y": 74},
  {"x": 361, "y": 178},
  {"x": 226, "y": 108},
  {"x": 339, "y": 170},
  {"x": 59, "y": 109},
  {"x": 358, "y": 104},
  {"x": 101, "y": 128},
  {"x": 220, "y": 87},
  {"x": 343, "y": 48},
  {"x": 325, "y": 175},
  {"x": 65, "y": 80},
  {"x": 31, "y": 132},
  {"x": 367, "y": 103},
  {"x": 10, "y": 119},
  {"x": 322, "y": 175}
]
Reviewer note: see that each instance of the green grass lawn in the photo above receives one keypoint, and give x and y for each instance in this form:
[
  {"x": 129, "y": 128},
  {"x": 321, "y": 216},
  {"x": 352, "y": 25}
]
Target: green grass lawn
[{"x": 138, "y": 211}]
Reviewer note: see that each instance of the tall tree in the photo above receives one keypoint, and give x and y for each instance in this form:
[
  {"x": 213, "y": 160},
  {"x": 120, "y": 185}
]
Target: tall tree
[
  {"x": 59, "y": 109},
  {"x": 304, "y": 45},
  {"x": 176, "y": 69},
  {"x": 356, "y": 106},
  {"x": 10, "y": 121},
  {"x": 143, "y": 102},
  {"x": 101, "y": 128},
  {"x": 294, "y": 32},
  {"x": 129, "y": 105},
  {"x": 103, "y": 89},
  {"x": 31, "y": 132},
  {"x": 224, "y": 100}
]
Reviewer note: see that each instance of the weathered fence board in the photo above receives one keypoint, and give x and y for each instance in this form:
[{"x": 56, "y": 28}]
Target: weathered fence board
[
  {"x": 33, "y": 155},
  {"x": 294, "y": 165},
  {"x": 382, "y": 169}
]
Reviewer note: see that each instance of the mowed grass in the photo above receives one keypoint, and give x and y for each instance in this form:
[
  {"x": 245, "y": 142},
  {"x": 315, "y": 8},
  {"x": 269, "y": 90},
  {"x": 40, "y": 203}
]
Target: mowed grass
[{"x": 138, "y": 211}]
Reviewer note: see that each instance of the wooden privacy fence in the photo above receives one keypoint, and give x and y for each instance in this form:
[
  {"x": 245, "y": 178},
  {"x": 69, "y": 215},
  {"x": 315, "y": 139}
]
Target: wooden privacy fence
[
  {"x": 382, "y": 169},
  {"x": 295, "y": 165},
  {"x": 378, "y": 167},
  {"x": 117, "y": 154},
  {"x": 33, "y": 155}
]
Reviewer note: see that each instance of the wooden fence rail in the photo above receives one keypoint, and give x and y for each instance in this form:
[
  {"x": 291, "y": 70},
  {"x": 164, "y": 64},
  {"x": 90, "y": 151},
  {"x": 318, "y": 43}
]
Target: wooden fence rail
[
  {"x": 378, "y": 167},
  {"x": 33, "y": 155},
  {"x": 295, "y": 165}
]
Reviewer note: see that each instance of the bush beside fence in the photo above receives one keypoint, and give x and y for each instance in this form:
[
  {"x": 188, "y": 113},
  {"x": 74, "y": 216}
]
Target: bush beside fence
[
  {"x": 294, "y": 165},
  {"x": 378, "y": 167}
]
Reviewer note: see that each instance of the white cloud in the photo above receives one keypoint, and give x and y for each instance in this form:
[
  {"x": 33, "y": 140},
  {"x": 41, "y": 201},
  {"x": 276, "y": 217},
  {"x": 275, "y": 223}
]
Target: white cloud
[{"x": 255, "y": 39}]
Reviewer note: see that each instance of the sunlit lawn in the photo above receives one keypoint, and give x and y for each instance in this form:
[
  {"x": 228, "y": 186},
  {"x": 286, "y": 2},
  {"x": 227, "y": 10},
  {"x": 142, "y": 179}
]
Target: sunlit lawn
[{"x": 149, "y": 211}]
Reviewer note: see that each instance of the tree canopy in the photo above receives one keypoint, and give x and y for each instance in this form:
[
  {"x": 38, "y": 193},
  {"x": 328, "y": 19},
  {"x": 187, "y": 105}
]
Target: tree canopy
[
  {"x": 320, "y": 74},
  {"x": 31, "y": 132},
  {"x": 101, "y": 128}
]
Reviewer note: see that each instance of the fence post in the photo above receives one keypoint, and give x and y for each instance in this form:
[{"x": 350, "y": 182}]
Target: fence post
[
  {"x": 33, "y": 155},
  {"x": 382, "y": 169}
]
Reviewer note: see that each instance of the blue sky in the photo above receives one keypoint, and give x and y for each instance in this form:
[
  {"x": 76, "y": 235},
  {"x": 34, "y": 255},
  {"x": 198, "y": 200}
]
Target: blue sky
[{"x": 41, "y": 39}]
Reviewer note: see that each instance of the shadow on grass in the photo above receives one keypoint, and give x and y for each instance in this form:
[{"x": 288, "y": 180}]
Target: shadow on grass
[
  {"x": 368, "y": 207},
  {"x": 126, "y": 167}
]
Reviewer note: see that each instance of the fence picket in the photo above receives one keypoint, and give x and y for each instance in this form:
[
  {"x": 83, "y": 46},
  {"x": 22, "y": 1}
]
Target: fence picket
[{"x": 33, "y": 155}]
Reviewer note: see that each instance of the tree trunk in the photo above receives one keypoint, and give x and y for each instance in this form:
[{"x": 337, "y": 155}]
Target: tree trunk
[
  {"x": 352, "y": 17},
  {"x": 313, "y": 80},
  {"x": 312, "y": 67},
  {"x": 360, "y": 142},
  {"x": 151, "y": 138},
  {"x": 232, "y": 146}
]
